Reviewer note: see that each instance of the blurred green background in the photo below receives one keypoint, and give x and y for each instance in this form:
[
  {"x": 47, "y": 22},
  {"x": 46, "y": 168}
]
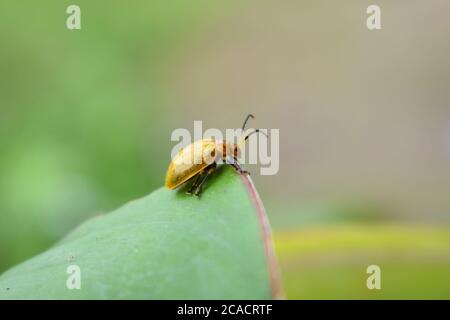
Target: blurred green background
[{"x": 364, "y": 118}]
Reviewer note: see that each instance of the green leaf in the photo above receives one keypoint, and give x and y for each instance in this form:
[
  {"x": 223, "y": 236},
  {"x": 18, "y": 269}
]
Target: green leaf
[{"x": 167, "y": 245}]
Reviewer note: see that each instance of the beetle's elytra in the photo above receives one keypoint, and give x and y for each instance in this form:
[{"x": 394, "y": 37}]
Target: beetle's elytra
[{"x": 203, "y": 156}]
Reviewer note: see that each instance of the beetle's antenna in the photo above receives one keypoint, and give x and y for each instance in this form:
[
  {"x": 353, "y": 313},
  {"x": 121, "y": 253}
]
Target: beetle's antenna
[
  {"x": 247, "y": 136},
  {"x": 246, "y": 119},
  {"x": 255, "y": 131}
]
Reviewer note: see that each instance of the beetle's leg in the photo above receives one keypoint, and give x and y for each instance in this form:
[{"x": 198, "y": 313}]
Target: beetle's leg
[
  {"x": 194, "y": 184},
  {"x": 210, "y": 169},
  {"x": 235, "y": 163}
]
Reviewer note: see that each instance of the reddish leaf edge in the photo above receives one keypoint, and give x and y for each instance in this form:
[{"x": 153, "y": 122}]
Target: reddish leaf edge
[{"x": 275, "y": 281}]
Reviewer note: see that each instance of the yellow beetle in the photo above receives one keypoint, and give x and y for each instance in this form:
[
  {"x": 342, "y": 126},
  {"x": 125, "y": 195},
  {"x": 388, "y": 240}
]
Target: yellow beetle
[{"x": 198, "y": 160}]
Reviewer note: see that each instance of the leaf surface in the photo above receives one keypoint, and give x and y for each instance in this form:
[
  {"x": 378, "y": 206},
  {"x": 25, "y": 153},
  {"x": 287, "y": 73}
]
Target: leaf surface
[{"x": 167, "y": 245}]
